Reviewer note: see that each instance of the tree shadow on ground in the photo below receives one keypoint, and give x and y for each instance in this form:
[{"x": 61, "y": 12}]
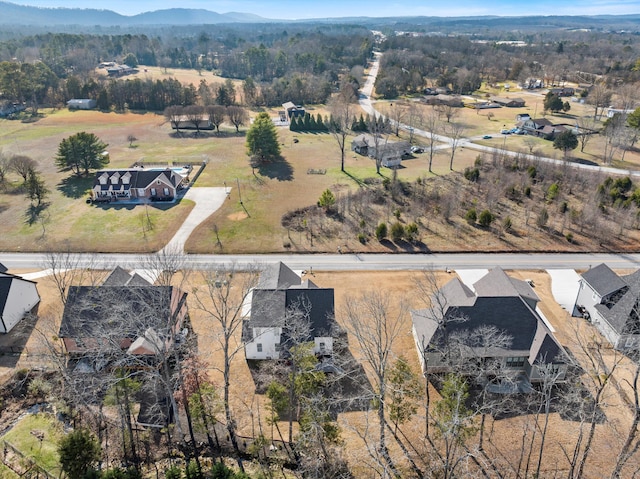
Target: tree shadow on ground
[
  {"x": 582, "y": 161},
  {"x": 33, "y": 212},
  {"x": 279, "y": 169},
  {"x": 75, "y": 186}
]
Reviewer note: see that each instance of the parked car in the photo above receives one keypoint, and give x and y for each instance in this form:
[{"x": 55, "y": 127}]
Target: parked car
[
  {"x": 417, "y": 149},
  {"x": 486, "y": 137},
  {"x": 504, "y": 131}
]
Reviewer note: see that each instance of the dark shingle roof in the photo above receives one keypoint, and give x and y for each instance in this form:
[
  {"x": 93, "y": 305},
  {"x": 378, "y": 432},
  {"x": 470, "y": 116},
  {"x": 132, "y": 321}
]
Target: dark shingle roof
[
  {"x": 603, "y": 280},
  {"x": 623, "y": 316},
  {"x": 3, "y": 268},
  {"x": 544, "y": 348},
  {"x": 5, "y": 286},
  {"x": 270, "y": 307},
  {"x": 121, "y": 277},
  {"x": 125, "y": 311},
  {"x": 499, "y": 303}
]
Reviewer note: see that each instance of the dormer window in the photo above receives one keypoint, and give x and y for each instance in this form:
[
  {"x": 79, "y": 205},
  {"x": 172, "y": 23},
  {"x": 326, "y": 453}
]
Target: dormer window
[
  {"x": 103, "y": 179},
  {"x": 114, "y": 178},
  {"x": 126, "y": 178}
]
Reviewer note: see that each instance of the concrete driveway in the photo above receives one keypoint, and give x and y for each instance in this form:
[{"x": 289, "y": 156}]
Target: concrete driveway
[
  {"x": 564, "y": 286},
  {"x": 207, "y": 201}
]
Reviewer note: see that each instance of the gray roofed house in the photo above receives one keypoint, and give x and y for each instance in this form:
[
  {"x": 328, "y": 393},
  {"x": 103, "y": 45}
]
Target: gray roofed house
[
  {"x": 390, "y": 153},
  {"x": 136, "y": 184},
  {"x": 500, "y": 304},
  {"x": 124, "y": 314},
  {"x": 284, "y": 310},
  {"x": 613, "y": 305}
]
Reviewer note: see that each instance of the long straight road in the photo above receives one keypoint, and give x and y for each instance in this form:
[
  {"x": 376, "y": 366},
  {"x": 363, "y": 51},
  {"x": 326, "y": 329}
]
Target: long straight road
[{"x": 347, "y": 262}]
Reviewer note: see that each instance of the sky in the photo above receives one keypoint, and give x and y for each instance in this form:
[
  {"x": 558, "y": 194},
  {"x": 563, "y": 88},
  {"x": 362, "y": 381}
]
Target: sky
[{"x": 302, "y": 9}]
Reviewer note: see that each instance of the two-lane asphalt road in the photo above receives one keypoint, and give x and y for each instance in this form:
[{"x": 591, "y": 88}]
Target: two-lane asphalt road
[{"x": 348, "y": 261}]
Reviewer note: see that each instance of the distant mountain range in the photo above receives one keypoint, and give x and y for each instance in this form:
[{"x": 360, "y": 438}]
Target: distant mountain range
[{"x": 13, "y": 14}]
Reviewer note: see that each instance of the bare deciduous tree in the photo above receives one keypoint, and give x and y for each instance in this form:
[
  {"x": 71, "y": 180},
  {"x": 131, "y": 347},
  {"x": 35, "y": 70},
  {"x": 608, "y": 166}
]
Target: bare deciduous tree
[
  {"x": 376, "y": 325},
  {"x": 222, "y": 299},
  {"x": 237, "y": 116},
  {"x": 341, "y": 108}
]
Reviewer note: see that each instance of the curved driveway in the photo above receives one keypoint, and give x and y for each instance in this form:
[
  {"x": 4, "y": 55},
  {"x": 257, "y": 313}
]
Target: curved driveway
[{"x": 207, "y": 201}]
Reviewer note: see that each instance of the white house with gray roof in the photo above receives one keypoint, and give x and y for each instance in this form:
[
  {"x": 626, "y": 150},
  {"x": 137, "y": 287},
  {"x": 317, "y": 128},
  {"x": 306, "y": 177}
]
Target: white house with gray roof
[
  {"x": 18, "y": 297},
  {"x": 497, "y": 303},
  {"x": 282, "y": 311},
  {"x": 613, "y": 304}
]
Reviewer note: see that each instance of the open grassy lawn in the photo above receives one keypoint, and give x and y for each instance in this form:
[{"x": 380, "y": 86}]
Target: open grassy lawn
[
  {"x": 309, "y": 166},
  {"x": 44, "y": 453}
]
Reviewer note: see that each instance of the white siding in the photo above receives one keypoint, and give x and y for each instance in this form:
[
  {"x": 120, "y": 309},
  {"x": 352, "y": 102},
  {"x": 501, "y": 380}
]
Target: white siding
[
  {"x": 23, "y": 297},
  {"x": 266, "y": 338},
  {"x": 328, "y": 345}
]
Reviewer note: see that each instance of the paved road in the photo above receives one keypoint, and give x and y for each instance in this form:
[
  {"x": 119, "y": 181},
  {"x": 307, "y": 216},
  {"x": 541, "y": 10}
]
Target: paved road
[
  {"x": 353, "y": 262},
  {"x": 367, "y": 105}
]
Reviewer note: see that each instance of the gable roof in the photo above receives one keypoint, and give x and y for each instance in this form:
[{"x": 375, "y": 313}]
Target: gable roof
[
  {"x": 121, "y": 277},
  {"x": 281, "y": 295},
  {"x": 138, "y": 178},
  {"x": 499, "y": 301},
  {"x": 278, "y": 276},
  {"x": 116, "y": 313},
  {"x": 498, "y": 283},
  {"x": 624, "y": 313},
  {"x": 3, "y": 268},
  {"x": 603, "y": 280}
]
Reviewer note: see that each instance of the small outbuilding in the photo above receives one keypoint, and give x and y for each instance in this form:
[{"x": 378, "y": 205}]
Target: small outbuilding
[{"x": 81, "y": 104}]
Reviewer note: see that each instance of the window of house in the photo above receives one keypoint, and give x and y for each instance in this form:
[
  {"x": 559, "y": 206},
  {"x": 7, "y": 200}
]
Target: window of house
[
  {"x": 278, "y": 347},
  {"x": 515, "y": 362},
  {"x": 166, "y": 192},
  {"x": 322, "y": 347},
  {"x": 153, "y": 192},
  {"x": 259, "y": 346}
]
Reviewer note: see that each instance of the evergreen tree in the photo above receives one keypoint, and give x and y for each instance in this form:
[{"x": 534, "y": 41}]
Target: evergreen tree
[
  {"x": 293, "y": 124},
  {"x": 35, "y": 186},
  {"x": 307, "y": 122},
  {"x": 320, "y": 123},
  {"x": 313, "y": 126},
  {"x": 79, "y": 451},
  {"x": 262, "y": 139},
  {"x": 82, "y": 151}
]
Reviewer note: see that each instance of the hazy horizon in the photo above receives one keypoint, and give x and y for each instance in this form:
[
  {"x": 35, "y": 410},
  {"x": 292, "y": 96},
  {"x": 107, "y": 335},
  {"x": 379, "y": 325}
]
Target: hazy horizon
[{"x": 305, "y": 9}]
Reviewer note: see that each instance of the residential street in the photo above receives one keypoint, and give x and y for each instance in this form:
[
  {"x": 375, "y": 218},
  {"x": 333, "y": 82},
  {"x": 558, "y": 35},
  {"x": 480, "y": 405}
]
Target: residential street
[
  {"x": 368, "y": 106},
  {"x": 352, "y": 262}
]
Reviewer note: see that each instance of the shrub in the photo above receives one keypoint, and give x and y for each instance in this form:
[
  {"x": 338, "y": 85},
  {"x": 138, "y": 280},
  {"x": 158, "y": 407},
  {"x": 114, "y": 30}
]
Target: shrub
[
  {"x": 381, "y": 231},
  {"x": 569, "y": 237},
  {"x": 532, "y": 172},
  {"x": 543, "y": 218},
  {"x": 327, "y": 199},
  {"x": 507, "y": 224},
  {"x": 397, "y": 231},
  {"x": 472, "y": 174},
  {"x": 471, "y": 216},
  {"x": 396, "y": 213},
  {"x": 485, "y": 218},
  {"x": 173, "y": 473},
  {"x": 411, "y": 231},
  {"x": 386, "y": 183},
  {"x": 552, "y": 191},
  {"x": 527, "y": 192},
  {"x": 362, "y": 238}
]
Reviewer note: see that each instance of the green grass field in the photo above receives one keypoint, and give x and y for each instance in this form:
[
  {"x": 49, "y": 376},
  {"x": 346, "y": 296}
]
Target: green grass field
[{"x": 44, "y": 453}]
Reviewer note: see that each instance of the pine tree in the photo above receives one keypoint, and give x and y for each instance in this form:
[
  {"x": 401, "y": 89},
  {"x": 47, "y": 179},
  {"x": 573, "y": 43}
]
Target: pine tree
[
  {"x": 307, "y": 122},
  {"x": 293, "y": 125},
  {"x": 262, "y": 139}
]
